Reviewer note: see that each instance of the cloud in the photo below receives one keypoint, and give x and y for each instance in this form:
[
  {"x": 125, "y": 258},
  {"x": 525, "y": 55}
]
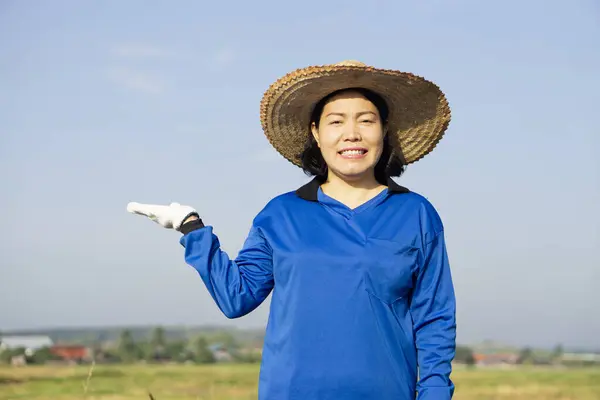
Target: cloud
[
  {"x": 137, "y": 80},
  {"x": 139, "y": 51}
]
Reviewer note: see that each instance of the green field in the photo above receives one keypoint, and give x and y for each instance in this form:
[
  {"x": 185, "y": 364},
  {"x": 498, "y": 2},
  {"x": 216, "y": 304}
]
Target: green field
[{"x": 238, "y": 382}]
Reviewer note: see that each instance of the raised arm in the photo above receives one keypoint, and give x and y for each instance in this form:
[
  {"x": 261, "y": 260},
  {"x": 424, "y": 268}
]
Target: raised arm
[
  {"x": 238, "y": 285},
  {"x": 433, "y": 311}
]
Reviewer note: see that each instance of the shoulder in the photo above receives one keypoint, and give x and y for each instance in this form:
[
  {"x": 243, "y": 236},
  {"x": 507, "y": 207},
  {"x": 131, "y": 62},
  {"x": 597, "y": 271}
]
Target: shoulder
[
  {"x": 278, "y": 206},
  {"x": 282, "y": 201},
  {"x": 423, "y": 212}
]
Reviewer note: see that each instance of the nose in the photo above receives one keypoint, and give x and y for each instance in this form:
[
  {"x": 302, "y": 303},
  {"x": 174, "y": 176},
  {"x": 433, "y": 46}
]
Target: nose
[{"x": 351, "y": 133}]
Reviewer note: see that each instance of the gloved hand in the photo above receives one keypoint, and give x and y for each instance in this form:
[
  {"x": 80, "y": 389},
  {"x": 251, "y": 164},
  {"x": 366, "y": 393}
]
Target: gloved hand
[{"x": 171, "y": 216}]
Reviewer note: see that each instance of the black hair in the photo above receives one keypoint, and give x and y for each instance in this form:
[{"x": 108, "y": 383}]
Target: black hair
[{"x": 390, "y": 164}]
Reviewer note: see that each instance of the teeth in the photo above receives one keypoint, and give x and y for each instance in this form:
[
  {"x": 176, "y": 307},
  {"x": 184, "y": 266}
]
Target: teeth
[{"x": 352, "y": 152}]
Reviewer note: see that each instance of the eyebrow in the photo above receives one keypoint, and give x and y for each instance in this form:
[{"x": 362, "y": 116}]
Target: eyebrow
[{"x": 343, "y": 114}]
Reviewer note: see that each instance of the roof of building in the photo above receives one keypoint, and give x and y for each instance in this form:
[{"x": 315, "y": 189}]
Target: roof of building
[
  {"x": 32, "y": 342},
  {"x": 70, "y": 351}
]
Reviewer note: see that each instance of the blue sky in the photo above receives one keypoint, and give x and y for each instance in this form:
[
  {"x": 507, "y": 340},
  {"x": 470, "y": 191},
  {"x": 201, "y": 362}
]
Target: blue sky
[{"x": 109, "y": 102}]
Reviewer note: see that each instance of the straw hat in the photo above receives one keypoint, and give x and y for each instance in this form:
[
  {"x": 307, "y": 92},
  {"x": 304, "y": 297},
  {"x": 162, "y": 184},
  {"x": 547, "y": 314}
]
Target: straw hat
[{"x": 418, "y": 110}]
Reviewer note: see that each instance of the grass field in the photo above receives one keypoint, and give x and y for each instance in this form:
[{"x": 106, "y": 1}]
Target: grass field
[{"x": 238, "y": 382}]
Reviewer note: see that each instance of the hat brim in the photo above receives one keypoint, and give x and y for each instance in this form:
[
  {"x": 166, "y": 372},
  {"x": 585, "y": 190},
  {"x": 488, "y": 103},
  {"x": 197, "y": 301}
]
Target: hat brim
[{"x": 419, "y": 113}]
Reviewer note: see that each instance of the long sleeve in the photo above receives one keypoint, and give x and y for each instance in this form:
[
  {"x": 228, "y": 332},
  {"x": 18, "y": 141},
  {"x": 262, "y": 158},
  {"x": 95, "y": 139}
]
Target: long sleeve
[
  {"x": 433, "y": 310},
  {"x": 240, "y": 285}
]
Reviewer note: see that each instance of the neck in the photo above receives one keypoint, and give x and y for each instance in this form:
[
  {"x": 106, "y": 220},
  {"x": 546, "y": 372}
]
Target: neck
[{"x": 352, "y": 192}]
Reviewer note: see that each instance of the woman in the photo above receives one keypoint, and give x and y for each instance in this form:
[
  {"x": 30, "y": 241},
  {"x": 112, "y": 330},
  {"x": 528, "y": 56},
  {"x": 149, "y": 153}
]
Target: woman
[{"x": 363, "y": 304}]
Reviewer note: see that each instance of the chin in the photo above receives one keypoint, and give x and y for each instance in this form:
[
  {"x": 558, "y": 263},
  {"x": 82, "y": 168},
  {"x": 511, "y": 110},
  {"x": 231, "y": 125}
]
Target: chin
[{"x": 352, "y": 174}]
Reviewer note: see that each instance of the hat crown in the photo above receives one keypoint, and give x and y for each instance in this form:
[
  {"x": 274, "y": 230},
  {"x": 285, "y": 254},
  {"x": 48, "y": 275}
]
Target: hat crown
[{"x": 351, "y": 63}]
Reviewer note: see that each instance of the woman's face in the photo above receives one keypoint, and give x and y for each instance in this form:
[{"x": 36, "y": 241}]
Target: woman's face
[{"x": 350, "y": 135}]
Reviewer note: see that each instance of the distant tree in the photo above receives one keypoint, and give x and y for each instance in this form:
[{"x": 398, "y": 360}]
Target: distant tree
[
  {"x": 247, "y": 357},
  {"x": 108, "y": 355},
  {"x": 525, "y": 356},
  {"x": 158, "y": 337},
  {"x": 157, "y": 347},
  {"x": 464, "y": 355},
  {"x": 226, "y": 340},
  {"x": 202, "y": 354},
  {"x": 557, "y": 353},
  {"x": 176, "y": 350},
  {"x": 127, "y": 349},
  {"x": 7, "y": 355},
  {"x": 42, "y": 356}
]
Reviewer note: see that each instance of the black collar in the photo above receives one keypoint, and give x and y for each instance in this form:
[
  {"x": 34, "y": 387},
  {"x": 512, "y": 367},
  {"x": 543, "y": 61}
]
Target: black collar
[{"x": 309, "y": 190}]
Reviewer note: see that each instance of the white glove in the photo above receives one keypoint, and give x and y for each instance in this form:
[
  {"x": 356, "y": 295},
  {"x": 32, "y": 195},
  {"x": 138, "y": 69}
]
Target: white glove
[{"x": 171, "y": 216}]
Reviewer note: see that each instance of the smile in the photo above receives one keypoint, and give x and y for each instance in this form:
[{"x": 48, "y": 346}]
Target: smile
[{"x": 353, "y": 153}]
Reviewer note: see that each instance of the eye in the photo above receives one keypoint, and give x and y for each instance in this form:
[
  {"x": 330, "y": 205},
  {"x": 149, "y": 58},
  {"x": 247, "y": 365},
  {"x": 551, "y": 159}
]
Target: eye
[
  {"x": 367, "y": 121},
  {"x": 336, "y": 122}
]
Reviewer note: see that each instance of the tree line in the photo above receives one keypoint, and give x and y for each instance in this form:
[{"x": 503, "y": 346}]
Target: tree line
[{"x": 155, "y": 348}]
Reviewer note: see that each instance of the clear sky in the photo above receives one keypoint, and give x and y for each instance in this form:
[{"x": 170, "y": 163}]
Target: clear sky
[{"x": 102, "y": 103}]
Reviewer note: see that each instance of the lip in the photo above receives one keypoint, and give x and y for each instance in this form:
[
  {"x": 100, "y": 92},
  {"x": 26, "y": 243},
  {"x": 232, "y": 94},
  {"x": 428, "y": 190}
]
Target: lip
[{"x": 353, "y": 156}]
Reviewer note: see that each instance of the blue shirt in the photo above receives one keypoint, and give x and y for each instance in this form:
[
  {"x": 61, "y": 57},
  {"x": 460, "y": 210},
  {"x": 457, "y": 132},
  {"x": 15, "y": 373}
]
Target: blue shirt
[{"x": 362, "y": 304}]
